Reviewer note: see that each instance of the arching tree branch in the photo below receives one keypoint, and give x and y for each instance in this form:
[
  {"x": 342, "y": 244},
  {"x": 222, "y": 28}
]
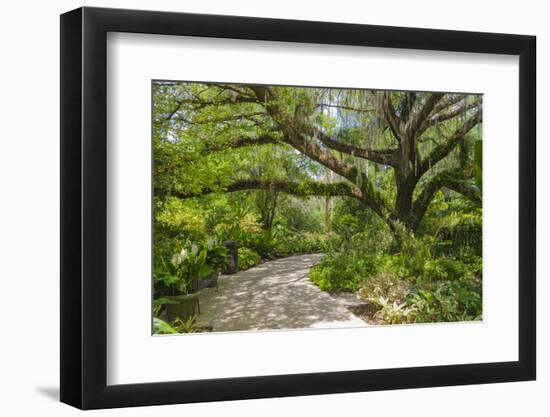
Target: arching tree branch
[
  {"x": 298, "y": 135},
  {"x": 308, "y": 147},
  {"x": 441, "y": 151},
  {"x": 235, "y": 117},
  {"x": 344, "y": 107},
  {"x": 441, "y": 117},
  {"x": 391, "y": 118},
  {"x": 208, "y": 148},
  {"x": 199, "y": 104},
  {"x": 384, "y": 157},
  {"x": 448, "y": 101},
  {"x": 421, "y": 115},
  {"x": 303, "y": 189},
  {"x": 451, "y": 179}
]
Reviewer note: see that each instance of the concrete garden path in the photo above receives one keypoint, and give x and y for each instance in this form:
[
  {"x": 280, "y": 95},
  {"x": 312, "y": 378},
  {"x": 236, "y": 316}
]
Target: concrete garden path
[{"x": 274, "y": 295}]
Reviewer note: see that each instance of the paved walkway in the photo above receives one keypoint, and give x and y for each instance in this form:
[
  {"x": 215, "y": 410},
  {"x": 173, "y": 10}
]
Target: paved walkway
[{"x": 274, "y": 295}]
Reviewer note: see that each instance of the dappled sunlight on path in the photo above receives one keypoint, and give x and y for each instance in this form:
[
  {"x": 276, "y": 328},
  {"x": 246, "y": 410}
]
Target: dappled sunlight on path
[{"x": 275, "y": 295}]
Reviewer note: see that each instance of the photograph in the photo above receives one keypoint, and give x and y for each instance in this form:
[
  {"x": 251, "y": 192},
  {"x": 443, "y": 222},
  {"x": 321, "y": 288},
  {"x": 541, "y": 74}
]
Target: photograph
[{"x": 281, "y": 207}]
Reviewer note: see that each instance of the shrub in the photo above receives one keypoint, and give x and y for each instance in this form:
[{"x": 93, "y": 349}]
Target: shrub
[
  {"x": 177, "y": 276},
  {"x": 177, "y": 326},
  {"x": 175, "y": 216},
  {"x": 241, "y": 226},
  {"x": 387, "y": 293},
  {"x": 447, "y": 291},
  {"x": 394, "y": 313},
  {"x": 217, "y": 255},
  {"x": 248, "y": 258},
  {"x": 467, "y": 234},
  {"x": 193, "y": 261},
  {"x": 342, "y": 272},
  {"x": 387, "y": 286},
  {"x": 458, "y": 300},
  {"x": 302, "y": 243},
  {"x": 444, "y": 269}
]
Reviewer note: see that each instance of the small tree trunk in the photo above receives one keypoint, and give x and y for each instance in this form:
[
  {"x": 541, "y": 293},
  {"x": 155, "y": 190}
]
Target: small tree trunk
[{"x": 328, "y": 204}]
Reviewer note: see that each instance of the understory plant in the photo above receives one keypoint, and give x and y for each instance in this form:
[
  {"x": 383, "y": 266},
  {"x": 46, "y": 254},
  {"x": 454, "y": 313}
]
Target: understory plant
[
  {"x": 248, "y": 258},
  {"x": 177, "y": 326},
  {"x": 192, "y": 262},
  {"x": 342, "y": 272}
]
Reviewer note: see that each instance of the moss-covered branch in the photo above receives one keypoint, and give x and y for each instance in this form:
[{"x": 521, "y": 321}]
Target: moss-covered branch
[
  {"x": 451, "y": 179},
  {"x": 302, "y": 189}
]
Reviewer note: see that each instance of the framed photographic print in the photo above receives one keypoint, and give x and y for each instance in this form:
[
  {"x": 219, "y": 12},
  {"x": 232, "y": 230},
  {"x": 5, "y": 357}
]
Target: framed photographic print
[{"x": 257, "y": 208}]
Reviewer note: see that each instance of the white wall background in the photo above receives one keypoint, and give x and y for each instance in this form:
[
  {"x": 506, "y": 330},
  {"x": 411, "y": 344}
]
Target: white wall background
[{"x": 29, "y": 219}]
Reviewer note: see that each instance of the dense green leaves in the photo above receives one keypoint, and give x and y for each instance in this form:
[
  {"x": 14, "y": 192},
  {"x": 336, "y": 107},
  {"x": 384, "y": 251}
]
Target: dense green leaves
[{"x": 387, "y": 184}]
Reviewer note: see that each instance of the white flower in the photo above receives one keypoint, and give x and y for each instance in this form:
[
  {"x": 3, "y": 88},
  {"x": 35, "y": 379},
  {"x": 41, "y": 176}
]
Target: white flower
[
  {"x": 176, "y": 259},
  {"x": 183, "y": 254},
  {"x": 194, "y": 249}
]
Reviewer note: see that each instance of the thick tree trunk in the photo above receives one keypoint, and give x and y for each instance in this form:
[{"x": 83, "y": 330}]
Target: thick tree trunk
[{"x": 404, "y": 200}]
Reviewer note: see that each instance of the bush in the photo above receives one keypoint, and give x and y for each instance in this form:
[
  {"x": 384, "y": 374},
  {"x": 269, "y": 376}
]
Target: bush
[
  {"x": 417, "y": 261},
  {"x": 217, "y": 255},
  {"x": 385, "y": 285},
  {"x": 176, "y": 274},
  {"x": 241, "y": 226},
  {"x": 394, "y": 313},
  {"x": 414, "y": 286},
  {"x": 303, "y": 243},
  {"x": 248, "y": 258},
  {"x": 177, "y": 326},
  {"x": 443, "y": 269},
  {"x": 359, "y": 229},
  {"x": 458, "y": 300},
  {"x": 387, "y": 294},
  {"x": 342, "y": 272}
]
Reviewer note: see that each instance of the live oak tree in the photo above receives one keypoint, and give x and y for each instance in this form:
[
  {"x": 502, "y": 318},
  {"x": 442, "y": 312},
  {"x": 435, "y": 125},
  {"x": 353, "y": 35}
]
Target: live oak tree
[{"x": 218, "y": 138}]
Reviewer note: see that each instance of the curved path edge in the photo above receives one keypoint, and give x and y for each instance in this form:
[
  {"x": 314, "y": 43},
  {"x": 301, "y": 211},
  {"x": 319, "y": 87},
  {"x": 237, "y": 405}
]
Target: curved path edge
[{"x": 275, "y": 295}]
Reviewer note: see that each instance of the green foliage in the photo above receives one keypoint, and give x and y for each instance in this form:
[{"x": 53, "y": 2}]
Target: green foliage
[
  {"x": 342, "y": 272},
  {"x": 407, "y": 286},
  {"x": 478, "y": 163},
  {"x": 248, "y": 258},
  {"x": 359, "y": 229},
  {"x": 347, "y": 225},
  {"x": 427, "y": 272},
  {"x": 169, "y": 278},
  {"x": 159, "y": 302},
  {"x": 241, "y": 226},
  {"x": 385, "y": 286},
  {"x": 162, "y": 327},
  {"x": 177, "y": 326},
  {"x": 217, "y": 255},
  {"x": 192, "y": 262},
  {"x": 295, "y": 244},
  {"x": 458, "y": 300},
  {"x": 393, "y": 313}
]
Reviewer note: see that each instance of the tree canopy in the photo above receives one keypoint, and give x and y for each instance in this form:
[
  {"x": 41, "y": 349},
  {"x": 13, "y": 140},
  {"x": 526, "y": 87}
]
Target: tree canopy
[{"x": 392, "y": 151}]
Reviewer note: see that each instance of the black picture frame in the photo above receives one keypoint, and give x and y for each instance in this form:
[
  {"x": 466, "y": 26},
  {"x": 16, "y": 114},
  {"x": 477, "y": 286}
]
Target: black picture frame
[{"x": 84, "y": 207}]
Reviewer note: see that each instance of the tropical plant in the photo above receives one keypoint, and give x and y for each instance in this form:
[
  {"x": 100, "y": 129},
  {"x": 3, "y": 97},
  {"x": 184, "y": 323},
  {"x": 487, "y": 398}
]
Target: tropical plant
[
  {"x": 248, "y": 258},
  {"x": 177, "y": 326},
  {"x": 386, "y": 286},
  {"x": 185, "y": 267},
  {"x": 342, "y": 272},
  {"x": 393, "y": 313},
  {"x": 217, "y": 255}
]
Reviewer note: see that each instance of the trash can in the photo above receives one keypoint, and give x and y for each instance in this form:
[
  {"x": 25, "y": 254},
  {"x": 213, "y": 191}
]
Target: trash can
[{"x": 233, "y": 249}]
